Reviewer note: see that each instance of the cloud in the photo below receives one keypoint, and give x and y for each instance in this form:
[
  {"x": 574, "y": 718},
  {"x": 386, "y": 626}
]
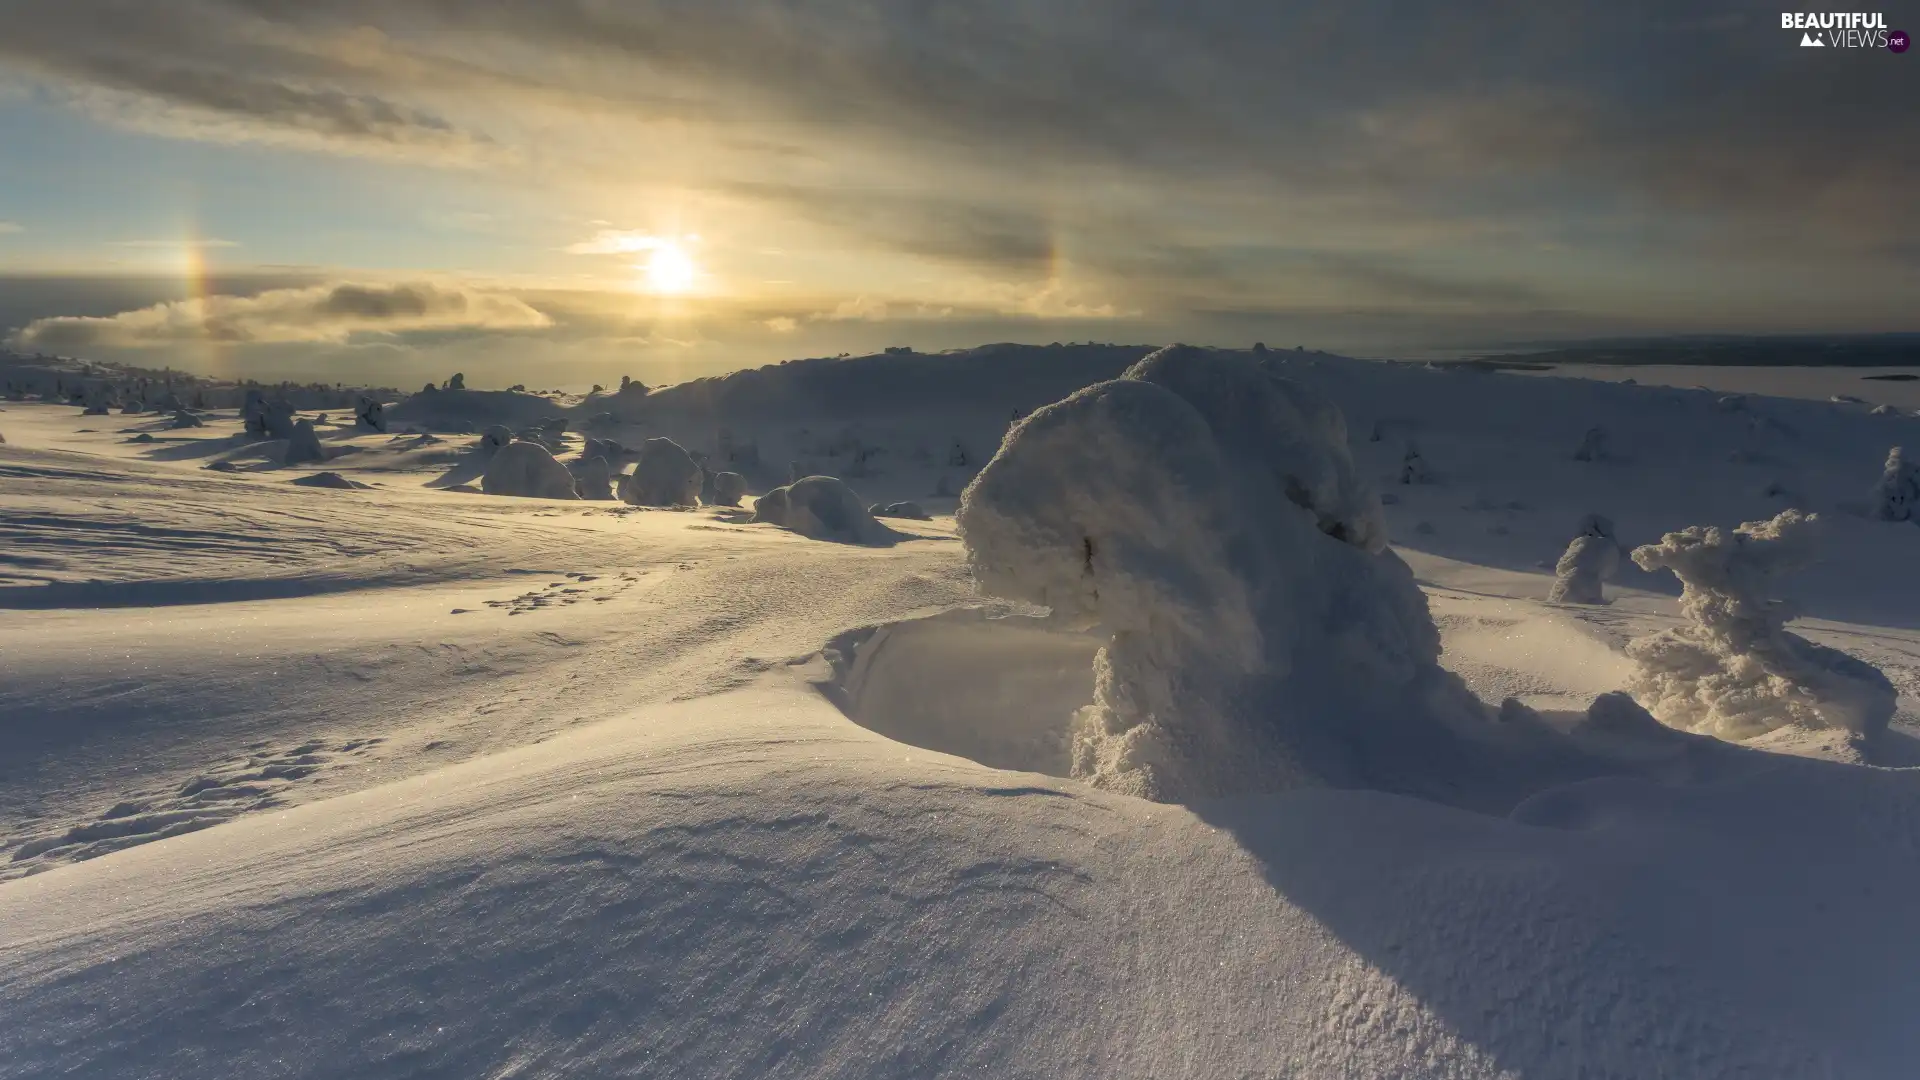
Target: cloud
[
  {"x": 332, "y": 313},
  {"x": 1160, "y": 155},
  {"x": 10, "y": 227},
  {"x": 619, "y": 242}
]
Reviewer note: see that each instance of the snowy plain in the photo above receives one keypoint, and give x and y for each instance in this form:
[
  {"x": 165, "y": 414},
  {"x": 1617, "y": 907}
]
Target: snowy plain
[{"x": 406, "y": 780}]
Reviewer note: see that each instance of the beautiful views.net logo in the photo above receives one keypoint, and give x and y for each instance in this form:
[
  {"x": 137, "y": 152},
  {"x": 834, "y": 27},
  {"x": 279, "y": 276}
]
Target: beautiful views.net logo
[{"x": 1845, "y": 30}]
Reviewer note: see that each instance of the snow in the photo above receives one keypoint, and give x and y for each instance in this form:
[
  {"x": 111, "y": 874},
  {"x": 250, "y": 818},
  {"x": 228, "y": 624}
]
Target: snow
[
  {"x": 1735, "y": 672},
  {"x": 528, "y": 471},
  {"x": 400, "y": 780}
]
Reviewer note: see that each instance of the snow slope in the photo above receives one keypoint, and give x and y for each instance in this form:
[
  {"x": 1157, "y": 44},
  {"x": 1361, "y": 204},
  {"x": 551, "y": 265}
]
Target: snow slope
[{"x": 513, "y": 787}]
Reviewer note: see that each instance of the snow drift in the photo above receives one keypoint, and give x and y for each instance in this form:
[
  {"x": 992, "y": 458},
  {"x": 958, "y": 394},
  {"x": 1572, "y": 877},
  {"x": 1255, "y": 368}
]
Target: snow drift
[
  {"x": 821, "y": 507},
  {"x": 1207, "y": 514},
  {"x": 1735, "y": 672},
  {"x": 527, "y": 470}
]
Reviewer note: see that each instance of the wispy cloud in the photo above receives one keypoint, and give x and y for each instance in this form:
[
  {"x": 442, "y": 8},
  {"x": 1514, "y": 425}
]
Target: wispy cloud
[
  {"x": 325, "y": 313},
  {"x": 10, "y": 227}
]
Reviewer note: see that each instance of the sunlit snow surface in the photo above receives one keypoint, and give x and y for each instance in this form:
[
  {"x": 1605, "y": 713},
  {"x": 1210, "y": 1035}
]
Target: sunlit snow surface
[{"x": 516, "y": 787}]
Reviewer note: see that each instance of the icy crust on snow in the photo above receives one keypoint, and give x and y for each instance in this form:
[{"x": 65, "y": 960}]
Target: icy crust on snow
[
  {"x": 1735, "y": 672},
  {"x": 1206, "y": 514}
]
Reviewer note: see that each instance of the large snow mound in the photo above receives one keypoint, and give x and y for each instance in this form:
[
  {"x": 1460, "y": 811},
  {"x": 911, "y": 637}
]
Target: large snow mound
[
  {"x": 527, "y": 470},
  {"x": 1735, "y": 671},
  {"x": 1205, "y": 513}
]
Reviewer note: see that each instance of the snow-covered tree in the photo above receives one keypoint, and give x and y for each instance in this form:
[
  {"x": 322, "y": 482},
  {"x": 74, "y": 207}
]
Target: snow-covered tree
[
  {"x": 665, "y": 475},
  {"x": 1590, "y": 560},
  {"x": 494, "y": 439},
  {"x": 1413, "y": 467},
  {"x": 303, "y": 445},
  {"x": 1207, "y": 515},
  {"x": 369, "y": 414},
  {"x": 1734, "y": 671},
  {"x": 1897, "y": 496},
  {"x": 279, "y": 419},
  {"x": 593, "y": 478},
  {"x": 1593, "y": 445},
  {"x": 728, "y": 488},
  {"x": 527, "y": 470}
]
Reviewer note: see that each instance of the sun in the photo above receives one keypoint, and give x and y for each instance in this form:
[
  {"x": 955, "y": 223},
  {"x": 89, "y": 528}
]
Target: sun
[{"x": 669, "y": 270}]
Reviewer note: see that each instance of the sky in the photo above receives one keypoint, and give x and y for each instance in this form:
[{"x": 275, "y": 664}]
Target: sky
[{"x": 564, "y": 192}]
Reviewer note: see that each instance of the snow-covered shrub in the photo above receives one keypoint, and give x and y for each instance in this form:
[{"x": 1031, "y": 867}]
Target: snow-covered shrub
[
  {"x": 1734, "y": 671},
  {"x": 1207, "y": 514},
  {"x": 303, "y": 446},
  {"x": 821, "y": 507},
  {"x": 494, "y": 439},
  {"x": 593, "y": 479},
  {"x": 1883, "y": 410},
  {"x": 1897, "y": 496},
  {"x": 900, "y": 510},
  {"x": 528, "y": 471},
  {"x": 370, "y": 415},
  {"x": 728, "y": 488},
  {"x": 1593, "y": 446},
  {"x": 666, "y": 475},
  {"x": 1589, "y": 560},
  {"x": 185, "y": 419}
]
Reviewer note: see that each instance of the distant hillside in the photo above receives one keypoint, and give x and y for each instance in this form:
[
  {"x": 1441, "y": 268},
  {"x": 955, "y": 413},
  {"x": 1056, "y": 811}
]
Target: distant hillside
[{"x": 1876, "y": 350}]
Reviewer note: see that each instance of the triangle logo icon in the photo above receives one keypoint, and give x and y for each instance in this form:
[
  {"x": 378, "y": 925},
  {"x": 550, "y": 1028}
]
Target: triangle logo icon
[{"x": 1808, "y": 41}]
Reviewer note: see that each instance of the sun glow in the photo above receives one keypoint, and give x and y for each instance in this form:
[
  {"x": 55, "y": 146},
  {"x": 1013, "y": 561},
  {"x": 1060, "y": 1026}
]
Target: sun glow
[{"x": 669, "y": 270}]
